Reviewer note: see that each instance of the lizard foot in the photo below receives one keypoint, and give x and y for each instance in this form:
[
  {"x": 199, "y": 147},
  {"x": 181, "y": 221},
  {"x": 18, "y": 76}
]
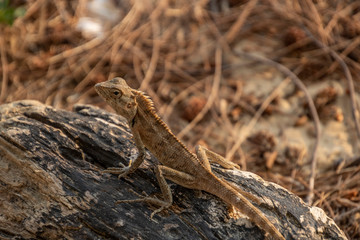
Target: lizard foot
[
  {"x": 152, "y": 200},
  {"x": 157, "y": 211},
  {"x": 122, "y": 170},
  {"x": 234, "y": 213}
]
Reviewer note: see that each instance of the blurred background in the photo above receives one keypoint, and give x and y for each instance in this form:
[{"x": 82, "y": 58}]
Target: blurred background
[{"x": 271, "y": 85}]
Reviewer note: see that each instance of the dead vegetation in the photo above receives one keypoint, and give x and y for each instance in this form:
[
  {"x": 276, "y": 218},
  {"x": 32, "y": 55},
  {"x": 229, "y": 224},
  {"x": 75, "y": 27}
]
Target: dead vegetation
[{"x": 185, "y": 55}]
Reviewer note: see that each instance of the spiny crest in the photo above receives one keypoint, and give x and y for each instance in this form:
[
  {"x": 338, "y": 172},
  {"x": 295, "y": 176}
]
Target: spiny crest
[{"x": 148, "y": 106}]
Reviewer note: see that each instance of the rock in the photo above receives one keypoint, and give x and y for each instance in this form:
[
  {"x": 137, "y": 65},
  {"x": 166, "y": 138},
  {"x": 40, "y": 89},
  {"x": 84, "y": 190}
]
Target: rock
[{"x": 51, "y": 186}]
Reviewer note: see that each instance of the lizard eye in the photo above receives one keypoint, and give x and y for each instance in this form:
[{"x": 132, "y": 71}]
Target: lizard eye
[{"x": 117, "y": 93}]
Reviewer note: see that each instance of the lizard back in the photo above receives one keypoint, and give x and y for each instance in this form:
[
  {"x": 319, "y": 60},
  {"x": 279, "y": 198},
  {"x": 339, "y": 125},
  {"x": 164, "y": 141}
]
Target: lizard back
[{"x": 157, "y": 136}]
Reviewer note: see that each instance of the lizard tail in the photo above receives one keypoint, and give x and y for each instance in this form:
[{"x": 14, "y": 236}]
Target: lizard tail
[{"x": 228, "y": 194}]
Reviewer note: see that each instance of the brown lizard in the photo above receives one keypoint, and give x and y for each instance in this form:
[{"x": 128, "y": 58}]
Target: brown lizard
[{"x": 178, "y": 164}]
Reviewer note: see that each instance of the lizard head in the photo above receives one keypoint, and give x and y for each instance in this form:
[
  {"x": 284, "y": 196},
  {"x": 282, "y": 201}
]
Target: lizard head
[{"x": 119, "y": 96}]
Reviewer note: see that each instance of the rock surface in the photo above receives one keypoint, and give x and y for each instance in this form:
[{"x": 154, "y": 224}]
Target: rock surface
[{"x": 51, "y": 186}]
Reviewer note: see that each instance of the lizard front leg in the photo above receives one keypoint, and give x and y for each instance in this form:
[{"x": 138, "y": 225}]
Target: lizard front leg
[
  {"x": 163, "y": 173},
  {"x": 125, "y": 170}
]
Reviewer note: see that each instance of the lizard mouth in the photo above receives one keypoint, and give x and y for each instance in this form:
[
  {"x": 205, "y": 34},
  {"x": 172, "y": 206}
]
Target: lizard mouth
[
  {"x": 100, "y": 90},
  {"x": 98, "y": 87}
]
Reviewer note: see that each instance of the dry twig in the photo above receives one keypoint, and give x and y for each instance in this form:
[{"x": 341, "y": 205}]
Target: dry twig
[
  {"x": 354, "y": 105},
  {"x": 213, "y": 94},
  {"x": 299, "y": 84}
]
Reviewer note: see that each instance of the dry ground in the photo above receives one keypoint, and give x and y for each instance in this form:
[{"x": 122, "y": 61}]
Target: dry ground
[{"x": 271, "y": 85}]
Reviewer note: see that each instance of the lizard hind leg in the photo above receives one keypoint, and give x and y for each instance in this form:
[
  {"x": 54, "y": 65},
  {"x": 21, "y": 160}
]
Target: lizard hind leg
[
  {"x": 214, "y": 157},
  {"x": 163, "y": 173},
  {"x": 165, "y": 190},
  {"x": 204, "y": 155}
]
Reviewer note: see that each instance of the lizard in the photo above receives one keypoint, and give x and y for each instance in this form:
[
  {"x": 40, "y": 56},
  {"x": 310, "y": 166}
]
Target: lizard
[{"x": 178, "y": 164}]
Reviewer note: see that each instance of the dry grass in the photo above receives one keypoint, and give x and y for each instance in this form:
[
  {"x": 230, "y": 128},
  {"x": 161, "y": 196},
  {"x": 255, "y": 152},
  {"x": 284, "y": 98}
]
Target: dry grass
[{"x": 177, "y": 51}]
